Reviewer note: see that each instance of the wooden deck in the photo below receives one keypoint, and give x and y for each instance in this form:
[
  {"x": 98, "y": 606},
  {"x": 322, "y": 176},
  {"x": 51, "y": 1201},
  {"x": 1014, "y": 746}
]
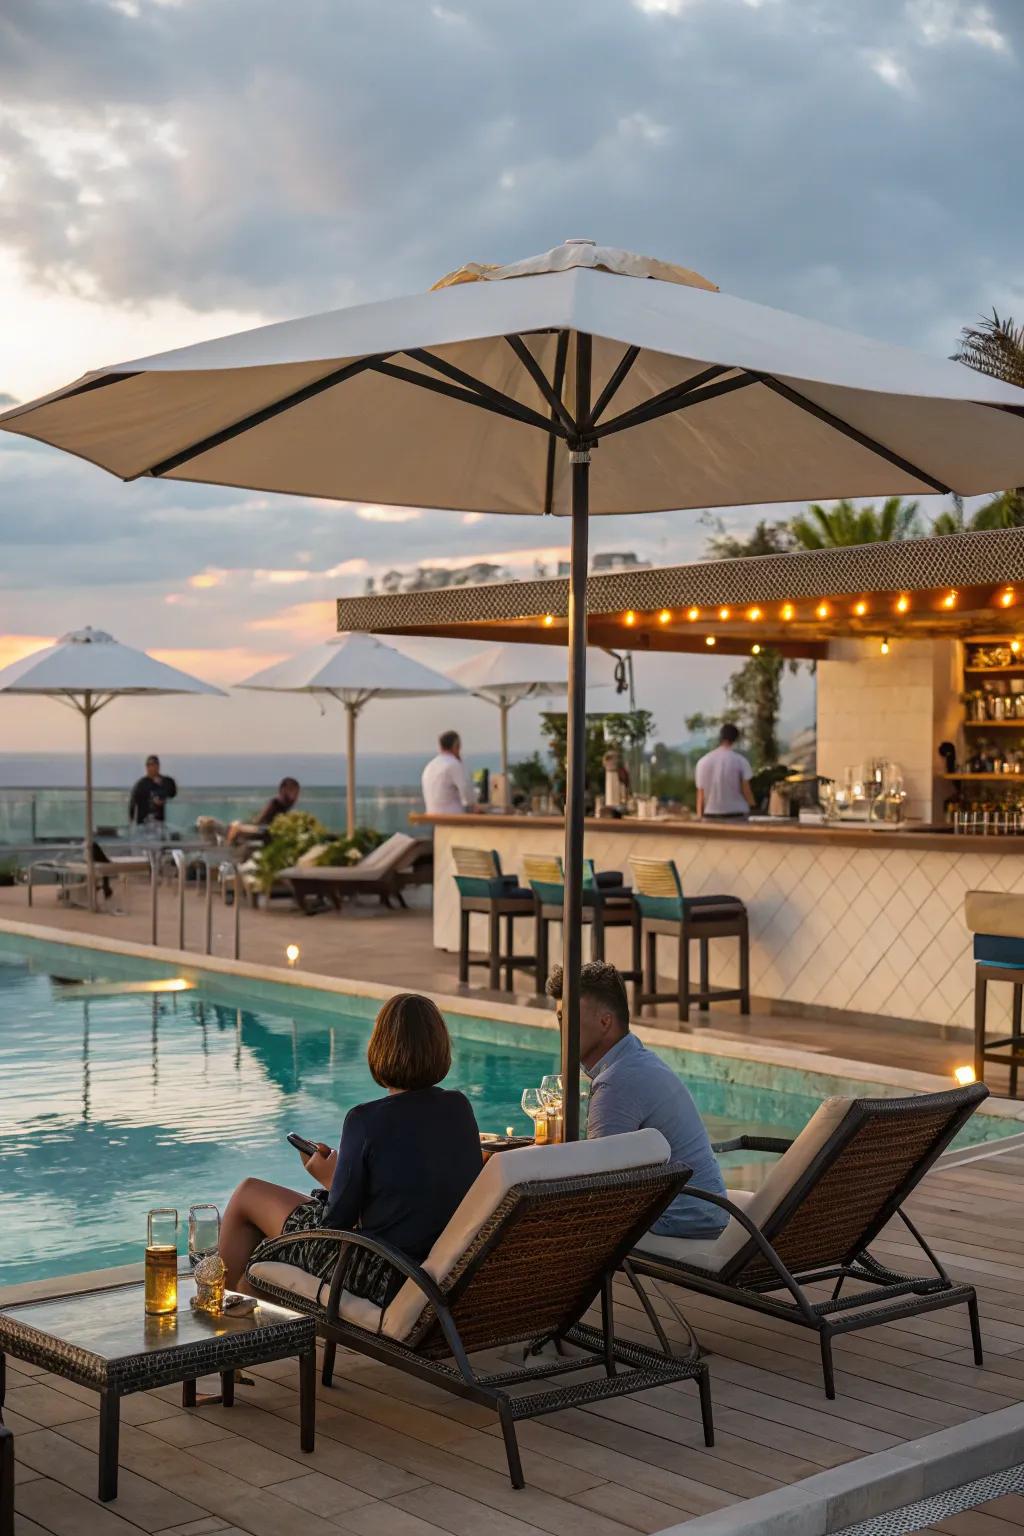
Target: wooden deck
[{"x": 398, "y": 1458}]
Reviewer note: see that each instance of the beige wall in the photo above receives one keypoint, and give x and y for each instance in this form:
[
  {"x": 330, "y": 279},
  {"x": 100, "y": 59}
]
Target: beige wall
[{"x": 898, "y": 706}]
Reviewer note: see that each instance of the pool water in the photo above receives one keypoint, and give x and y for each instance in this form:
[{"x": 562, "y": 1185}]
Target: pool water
[{"x": 113, "y": 1101}]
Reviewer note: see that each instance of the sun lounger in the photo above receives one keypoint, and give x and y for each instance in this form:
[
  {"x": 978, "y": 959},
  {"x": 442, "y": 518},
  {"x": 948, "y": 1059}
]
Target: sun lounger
[
  {"x": 384, "y": 872},
  {"x": 824, "y": 1202},
  {"x": 535, "y": 1242},
  {"x": 71, "y": 872}
]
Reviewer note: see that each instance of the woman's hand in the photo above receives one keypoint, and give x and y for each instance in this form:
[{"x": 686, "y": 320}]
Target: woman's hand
[{"x": 322, "y": 1163}]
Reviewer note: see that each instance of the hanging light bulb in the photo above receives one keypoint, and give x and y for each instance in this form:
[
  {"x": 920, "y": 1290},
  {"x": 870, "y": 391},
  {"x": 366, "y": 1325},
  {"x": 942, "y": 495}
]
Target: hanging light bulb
[
  {"x": 664, "y": 617},
  {"x": 709, "y": 639},
  {"x": 860, "y": 609},
  {"x": 788, "y": 612},
  {"x": 884, "y": 647}
]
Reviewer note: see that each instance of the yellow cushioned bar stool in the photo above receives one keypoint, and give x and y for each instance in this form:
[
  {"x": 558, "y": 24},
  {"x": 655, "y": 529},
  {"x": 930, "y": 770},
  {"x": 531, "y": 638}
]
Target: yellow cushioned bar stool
[
  {"x": 661, "y": 908},
  {"x": 996, "y": 920},
  {"x": 607, "y": 903},
  {"x": 484, "y": 888}
]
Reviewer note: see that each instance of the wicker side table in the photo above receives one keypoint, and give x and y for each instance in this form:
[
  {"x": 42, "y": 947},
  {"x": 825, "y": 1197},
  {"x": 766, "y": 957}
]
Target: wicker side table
[{"x": 104, "y": 1340}]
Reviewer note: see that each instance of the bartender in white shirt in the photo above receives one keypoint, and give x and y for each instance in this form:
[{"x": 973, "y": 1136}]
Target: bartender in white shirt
[{"x": 447, "y": 790}]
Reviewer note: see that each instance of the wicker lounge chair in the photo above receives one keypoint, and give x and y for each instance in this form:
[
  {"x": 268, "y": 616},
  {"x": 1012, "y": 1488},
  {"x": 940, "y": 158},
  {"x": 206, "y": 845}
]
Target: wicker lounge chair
[
  {"x": 535, "y": 1242},
  {"x": 6, "y": 1482},
  {"x": 827, "y": 1198},
  {"x": 385, "y": 872}
]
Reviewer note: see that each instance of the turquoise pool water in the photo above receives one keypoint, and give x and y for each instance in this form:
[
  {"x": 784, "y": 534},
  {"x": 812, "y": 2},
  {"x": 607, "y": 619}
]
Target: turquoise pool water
[{"x": 114, "y": 1102}]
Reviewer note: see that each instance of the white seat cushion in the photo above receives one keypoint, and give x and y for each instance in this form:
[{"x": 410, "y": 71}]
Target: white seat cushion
[
  {"x": 763, "y": 1202},
  {"x": 701, "y": 1252},
  {"x": 385, "y": 854},
  {"x": 528, "y": 1165},
  {"x": 995, "y": 912},
  {"x": 307, "y": 1287}
]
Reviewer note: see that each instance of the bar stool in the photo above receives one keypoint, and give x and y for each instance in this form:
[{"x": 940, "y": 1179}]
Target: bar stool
[
  {"x": 997, "y": 921},
  {"x": 607, "y": 903},
  {"x": 661, "y": 908},
  {"x": 485, "y": 889}
]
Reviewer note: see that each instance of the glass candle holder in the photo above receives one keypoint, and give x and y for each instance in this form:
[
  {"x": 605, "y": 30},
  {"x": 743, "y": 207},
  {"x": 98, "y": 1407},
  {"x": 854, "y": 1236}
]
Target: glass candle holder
[{"x": 161, "y": 1262}]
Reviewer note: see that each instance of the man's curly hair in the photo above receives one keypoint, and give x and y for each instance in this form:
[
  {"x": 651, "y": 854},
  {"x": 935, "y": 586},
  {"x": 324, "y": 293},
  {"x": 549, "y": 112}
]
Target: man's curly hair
[{"x": 600, "y": 980}]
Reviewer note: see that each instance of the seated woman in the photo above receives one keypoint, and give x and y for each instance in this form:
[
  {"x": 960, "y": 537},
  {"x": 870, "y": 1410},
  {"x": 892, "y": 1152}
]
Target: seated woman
[{"x": 403, "y": 1166}]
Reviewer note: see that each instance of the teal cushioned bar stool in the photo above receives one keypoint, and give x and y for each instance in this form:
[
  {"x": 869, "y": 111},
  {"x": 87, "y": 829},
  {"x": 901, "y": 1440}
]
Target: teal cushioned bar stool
[
  {"x": 996, "y": 918},
  {"x": 661, "y": 908},
  {"x": 607, "y": 903},
  {"x": 484, "y": 888}
]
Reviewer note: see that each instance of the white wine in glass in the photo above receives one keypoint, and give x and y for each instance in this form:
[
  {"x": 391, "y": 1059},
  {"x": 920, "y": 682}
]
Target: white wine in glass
[{"x": 534, "y": 1106}]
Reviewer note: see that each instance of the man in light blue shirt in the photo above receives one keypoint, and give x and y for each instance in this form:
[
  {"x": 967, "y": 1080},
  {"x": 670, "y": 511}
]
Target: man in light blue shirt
[{"x": 631, "y": 1088}]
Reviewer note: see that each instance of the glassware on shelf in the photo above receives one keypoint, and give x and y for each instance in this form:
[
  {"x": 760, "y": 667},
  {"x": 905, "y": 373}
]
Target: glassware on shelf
[{"x": 161, "y": 1288}]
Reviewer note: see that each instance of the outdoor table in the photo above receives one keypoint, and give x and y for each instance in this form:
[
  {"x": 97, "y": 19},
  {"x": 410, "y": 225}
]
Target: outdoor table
[{"x": 104, "y": 1340}]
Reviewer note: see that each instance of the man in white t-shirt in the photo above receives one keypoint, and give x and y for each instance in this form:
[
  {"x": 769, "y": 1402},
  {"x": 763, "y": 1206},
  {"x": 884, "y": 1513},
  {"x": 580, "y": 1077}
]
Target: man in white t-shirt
[
  {"x": 447, "y": 790},
  {"x": 723, "y": 780}
]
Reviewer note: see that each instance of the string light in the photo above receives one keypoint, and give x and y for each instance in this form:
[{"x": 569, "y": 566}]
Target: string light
[
  {"x": 822, "y": 610},
  {"x": 549, "y": 619},
  {"x": 949, "y": 601},
  {"x": 754, "y": 614},
  {"x": 902, "y": 603},
  {"x": 629, "y": 618},
  {"x": 1007, "y": 598},
  {"x": 788, "y": 612},
  {"x": 723, "y": 613},
  {"x": 692, "y": 613},
  {"x": 884, "y": 647},
  {"x": 664, "y": 617},
  {"x": 860, "y": 609},
  {"x": 755, "y": 650},
  {"x": 709, "y": 639}
]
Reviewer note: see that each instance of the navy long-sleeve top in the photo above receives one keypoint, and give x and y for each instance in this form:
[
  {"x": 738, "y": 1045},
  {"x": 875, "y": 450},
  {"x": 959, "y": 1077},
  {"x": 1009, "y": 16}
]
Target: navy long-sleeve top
[{"x": 404, "y": 1164}]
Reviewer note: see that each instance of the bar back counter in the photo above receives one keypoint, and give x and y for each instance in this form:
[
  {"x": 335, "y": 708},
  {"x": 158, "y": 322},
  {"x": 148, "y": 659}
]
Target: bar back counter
[{"x": 842, "y": 917}]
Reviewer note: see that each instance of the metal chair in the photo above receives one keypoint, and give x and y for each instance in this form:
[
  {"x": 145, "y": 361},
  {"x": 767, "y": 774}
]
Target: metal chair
[
  {"x": 483, "y": 888},
  {"x": 607, "y": 903},
  {"x": 661, "y": 908}
]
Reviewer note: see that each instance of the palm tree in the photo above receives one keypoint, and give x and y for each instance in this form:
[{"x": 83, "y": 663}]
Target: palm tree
[
  {"x": 995, "y": 347},
  {"x": 844, "y": 524}
]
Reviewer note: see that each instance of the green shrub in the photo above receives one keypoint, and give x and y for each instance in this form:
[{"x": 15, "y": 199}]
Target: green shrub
[{"x": 349, "y": 850}]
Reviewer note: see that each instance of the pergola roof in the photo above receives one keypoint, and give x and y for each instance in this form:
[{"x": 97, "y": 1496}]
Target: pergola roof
[{"x": 956, "y": 585}]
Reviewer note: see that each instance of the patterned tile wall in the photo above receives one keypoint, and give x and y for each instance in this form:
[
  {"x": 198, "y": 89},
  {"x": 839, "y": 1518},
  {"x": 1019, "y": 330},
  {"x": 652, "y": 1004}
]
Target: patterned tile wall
[{"x": 869, "y": 930}]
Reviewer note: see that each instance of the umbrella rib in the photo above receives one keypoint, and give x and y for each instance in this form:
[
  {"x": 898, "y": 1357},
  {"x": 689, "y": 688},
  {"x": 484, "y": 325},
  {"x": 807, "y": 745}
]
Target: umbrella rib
[
  {"x": 677, "y": 399},
  {"x": 257, "y": 418},
  {"x": 477, "y": 386},
  {"x": 604, "y": 399},
  {"x": 511, "y": 410},
  {"x": 854, "y": 433},
  {"x": 539, "y": 377},
  {"x": 561, "y": 356}
]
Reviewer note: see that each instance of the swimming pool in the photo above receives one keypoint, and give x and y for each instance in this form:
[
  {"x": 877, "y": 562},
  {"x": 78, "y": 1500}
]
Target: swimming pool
[{"x": 114, "y": 1100}]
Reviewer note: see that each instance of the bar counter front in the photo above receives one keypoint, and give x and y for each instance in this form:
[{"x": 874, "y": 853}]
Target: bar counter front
[{"x": 842, "y": 916}]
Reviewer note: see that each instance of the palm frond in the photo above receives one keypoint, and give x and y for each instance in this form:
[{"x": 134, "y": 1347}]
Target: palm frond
[{"x": 994, "y": 347}]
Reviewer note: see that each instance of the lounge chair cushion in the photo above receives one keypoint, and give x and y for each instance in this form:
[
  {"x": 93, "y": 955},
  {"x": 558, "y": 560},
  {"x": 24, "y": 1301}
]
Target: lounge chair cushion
[
  {"x": 995, "y": 912},
  {"x": 310, "y": 1288},
  {"x": 386, "y": 855},
  {"x": 308, "y": 859},
  {"x": 528, "y": 1165},
  {"x": 698, "y": 1253}
]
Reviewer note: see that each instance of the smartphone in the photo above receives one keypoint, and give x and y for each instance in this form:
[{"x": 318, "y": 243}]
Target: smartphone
[{"x": 307, "y": 1148}]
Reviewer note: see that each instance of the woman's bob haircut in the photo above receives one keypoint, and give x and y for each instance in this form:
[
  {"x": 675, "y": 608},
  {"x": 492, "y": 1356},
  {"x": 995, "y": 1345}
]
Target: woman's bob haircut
[{"x": 409, "y": 1047}]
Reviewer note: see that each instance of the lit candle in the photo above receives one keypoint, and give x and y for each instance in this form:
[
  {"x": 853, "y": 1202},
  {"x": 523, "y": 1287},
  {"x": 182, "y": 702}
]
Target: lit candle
[{"x": 292, "y": 954}]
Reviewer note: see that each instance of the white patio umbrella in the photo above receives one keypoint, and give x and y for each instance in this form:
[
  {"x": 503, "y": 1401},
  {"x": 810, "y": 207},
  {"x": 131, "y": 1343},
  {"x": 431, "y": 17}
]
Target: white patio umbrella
[
  {"x": 494, "y": 392},
  {"x": 505, "y": 675},
  {"x": 87, "y": 669},
  {"x": 352, "y": 669}
]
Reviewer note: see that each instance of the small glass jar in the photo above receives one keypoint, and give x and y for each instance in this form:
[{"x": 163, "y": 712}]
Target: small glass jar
[{"x": 161, "y": 1289}]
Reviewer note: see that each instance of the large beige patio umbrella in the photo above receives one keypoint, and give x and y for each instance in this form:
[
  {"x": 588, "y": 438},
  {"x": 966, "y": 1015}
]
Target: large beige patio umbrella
[
  {"x": 87, "y": 669},
  {"x": 352, "y": 669},
  {"x": 505, "y": 675},
  {"x": 495, "y": 392}
]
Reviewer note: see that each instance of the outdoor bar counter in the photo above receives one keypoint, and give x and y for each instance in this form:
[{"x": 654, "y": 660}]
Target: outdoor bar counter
[{"x": 842, "y": 916}]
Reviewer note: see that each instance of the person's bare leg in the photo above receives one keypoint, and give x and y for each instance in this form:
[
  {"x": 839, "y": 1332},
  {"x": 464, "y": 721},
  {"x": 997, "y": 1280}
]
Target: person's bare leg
[{"x": 256, "y": 1210}]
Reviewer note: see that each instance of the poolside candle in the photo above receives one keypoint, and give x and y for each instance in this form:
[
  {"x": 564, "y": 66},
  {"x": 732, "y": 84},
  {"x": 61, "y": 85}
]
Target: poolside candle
[{"x": 161, "y": 1287}]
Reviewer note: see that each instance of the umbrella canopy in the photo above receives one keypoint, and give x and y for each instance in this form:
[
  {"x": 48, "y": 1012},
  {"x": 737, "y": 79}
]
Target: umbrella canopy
[
  {"x": 496, "y": 391},
  {"x": 504, "y": 675},
  {"x": 352, "y": 669},
  {"x": 87, "y": 669}
]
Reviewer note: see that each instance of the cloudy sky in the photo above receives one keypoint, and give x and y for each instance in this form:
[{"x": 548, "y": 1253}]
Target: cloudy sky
[{"x": 173, "y": 169}]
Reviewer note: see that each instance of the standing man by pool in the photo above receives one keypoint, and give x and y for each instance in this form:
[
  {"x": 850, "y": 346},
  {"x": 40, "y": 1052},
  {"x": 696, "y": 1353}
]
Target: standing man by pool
[
  {"x": 151, "y": 794},
  {"x": 723, "y": 780}
]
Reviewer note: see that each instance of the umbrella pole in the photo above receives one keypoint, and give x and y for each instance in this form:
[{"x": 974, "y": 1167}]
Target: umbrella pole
[
  {"x": 351, "y": 711},
  {"x": 90, "y": 865},
  {"x": 504, "y": 707},
  {"x": 576, "y": 765}
]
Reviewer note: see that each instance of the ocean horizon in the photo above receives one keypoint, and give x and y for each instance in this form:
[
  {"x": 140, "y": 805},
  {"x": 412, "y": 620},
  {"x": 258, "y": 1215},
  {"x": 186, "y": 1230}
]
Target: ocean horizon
[{"x": 222, "y": 770}]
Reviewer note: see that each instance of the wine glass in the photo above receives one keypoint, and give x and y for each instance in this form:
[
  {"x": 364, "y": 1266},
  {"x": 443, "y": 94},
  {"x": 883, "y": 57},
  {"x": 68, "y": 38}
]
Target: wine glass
[
  {"x": 203, "y": 1232},
  {"x": 534, "y": 1106},
  {"x": 551, "y": 1090}
]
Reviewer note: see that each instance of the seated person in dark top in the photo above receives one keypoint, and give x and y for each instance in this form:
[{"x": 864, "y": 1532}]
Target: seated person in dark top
[
  {"x": 151, "y": 793},
  {"x": 403, "y": 1166},
  {"x": 278, "y": 805}
]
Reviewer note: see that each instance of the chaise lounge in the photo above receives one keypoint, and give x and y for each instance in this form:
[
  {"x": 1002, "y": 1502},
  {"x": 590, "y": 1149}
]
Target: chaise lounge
[
  {"x": 824, "y": 1202},
  {"x": 536, "y": 1241},
  {"x": 386, "y": 871}
]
